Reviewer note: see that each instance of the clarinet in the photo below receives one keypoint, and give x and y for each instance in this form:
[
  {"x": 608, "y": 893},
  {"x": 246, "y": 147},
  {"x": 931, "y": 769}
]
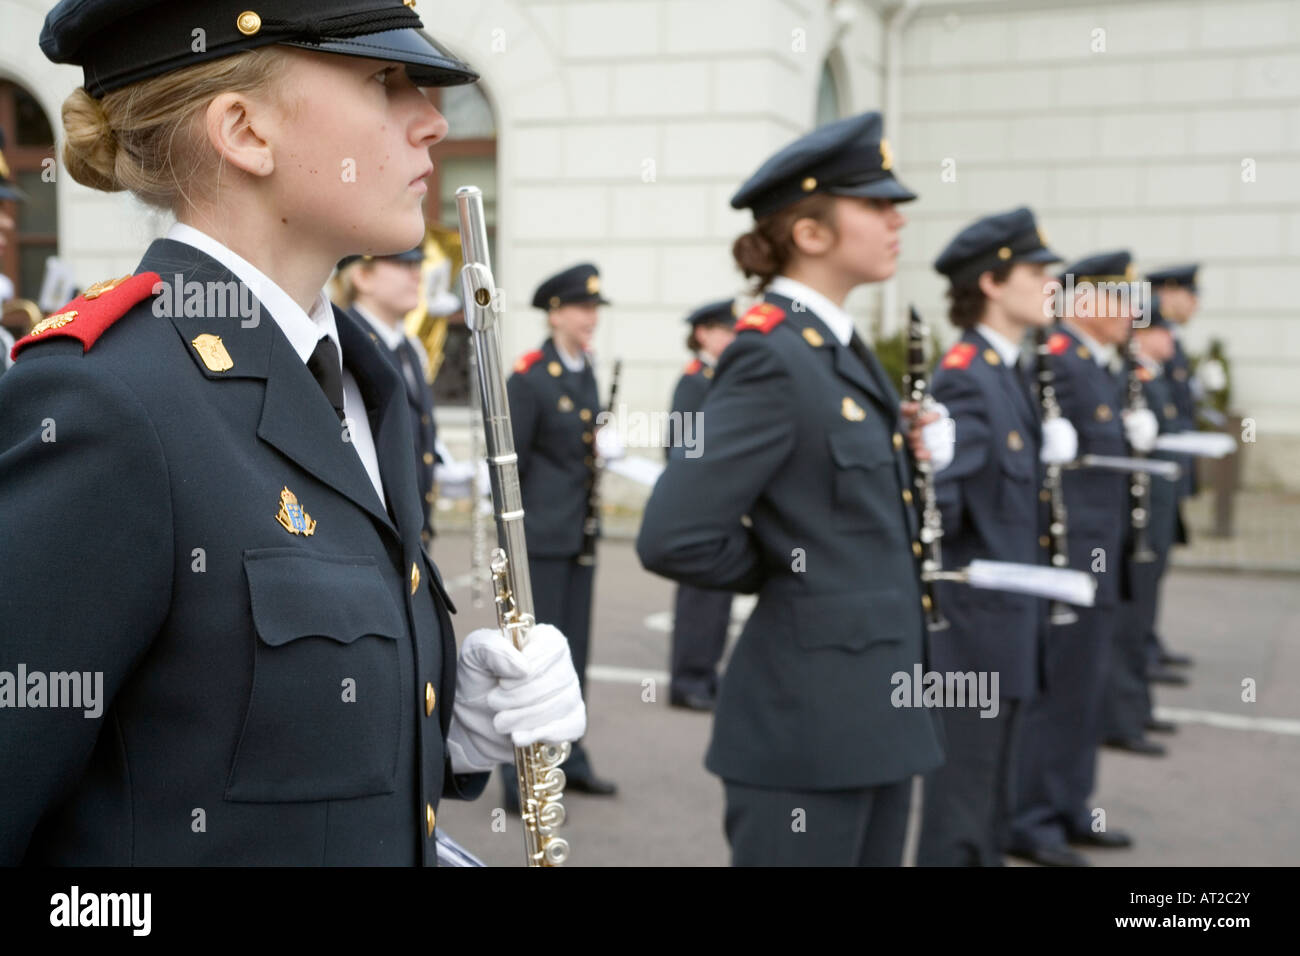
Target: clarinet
[
  {"x": 541, "y": 781},
  {"x": 1139, "y": 488},
  {"x": 591, "y": 522},
  {"x": 929, "y": 518},
  {"x": 1061, "y": 613}
]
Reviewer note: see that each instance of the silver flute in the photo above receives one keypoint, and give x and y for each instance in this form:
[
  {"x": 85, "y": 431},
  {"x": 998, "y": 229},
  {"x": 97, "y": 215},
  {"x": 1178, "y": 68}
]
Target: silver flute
[{"x": 541, "y": 781}]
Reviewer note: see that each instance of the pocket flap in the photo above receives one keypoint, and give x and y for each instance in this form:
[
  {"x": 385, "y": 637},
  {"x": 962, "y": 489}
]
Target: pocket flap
[
  {"x": 859, "y": 448},
  {"x": 295, "y": 594},
  {"x": 852, "y": 620}
]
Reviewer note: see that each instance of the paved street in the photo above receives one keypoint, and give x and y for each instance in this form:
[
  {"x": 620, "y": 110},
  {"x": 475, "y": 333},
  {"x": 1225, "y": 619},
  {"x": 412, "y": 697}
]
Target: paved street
[{"x": 1225, "y": 794}]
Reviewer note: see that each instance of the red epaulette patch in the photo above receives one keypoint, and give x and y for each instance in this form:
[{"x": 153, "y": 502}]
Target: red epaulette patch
[
  {"x": 1145, "y": 374},
  {"x": 527, "y": 360},
  {"x": 765, "y": 317},
  {"x": 693, "y": 367},
  {"x": 89, "y": 315},
  {"x": 1058, "y": 343},
  {"x": 960, "y": 355}
]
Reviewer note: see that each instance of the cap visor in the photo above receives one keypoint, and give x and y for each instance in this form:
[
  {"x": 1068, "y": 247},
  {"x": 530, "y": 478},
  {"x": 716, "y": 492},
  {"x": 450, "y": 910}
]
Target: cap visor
[
  {"x": 428, "y": 63},
  {"x": 887, "y": 188},
  {"x": 1040, "y": 255}
]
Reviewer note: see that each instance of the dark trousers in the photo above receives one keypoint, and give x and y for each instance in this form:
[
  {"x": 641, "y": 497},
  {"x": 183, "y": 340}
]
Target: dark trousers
[
  {"x": 862, "y": 827},
  {"x": 700, "y": 620},
  {"x": 562, "y": 597},
  {"x": 1061, "y": 731},
  {"x": 1128, "y": 691},
  {"x": 967, "y": 803}
]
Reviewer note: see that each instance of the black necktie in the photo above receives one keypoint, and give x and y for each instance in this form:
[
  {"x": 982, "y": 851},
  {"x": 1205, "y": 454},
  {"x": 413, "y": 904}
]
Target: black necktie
[{"x": 324, "y": 365}]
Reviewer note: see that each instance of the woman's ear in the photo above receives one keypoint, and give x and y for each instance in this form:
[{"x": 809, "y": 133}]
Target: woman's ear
[
  {"x": 992, "y": 289},
  {"x": 229, "y": 123},
  {"x": 811, "y": 237}
]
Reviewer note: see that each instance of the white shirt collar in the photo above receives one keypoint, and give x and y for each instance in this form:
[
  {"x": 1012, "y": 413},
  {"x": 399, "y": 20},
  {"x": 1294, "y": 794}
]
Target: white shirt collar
[
  {"x": 574, "y": 363},
  {"x": 1103, "y": 355},
  {"x": 302, "y": 329},
  {"x": 1007, "y": 350},
  {"x": 391, "y": 336},
  {"x": 837, "y": 320}
]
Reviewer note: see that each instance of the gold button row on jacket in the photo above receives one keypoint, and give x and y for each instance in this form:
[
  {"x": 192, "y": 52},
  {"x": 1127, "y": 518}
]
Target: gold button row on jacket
[
  {"x": 430, "y": 698},
  {"x": 429, "y": 819},
  {"x": 1045, "y": 541},
  {"x": 415, "y": 578},
  {"x": 916, "y": 548},
  {"x": 907, "y": 495},
  {"x": 898, "y": 441}
]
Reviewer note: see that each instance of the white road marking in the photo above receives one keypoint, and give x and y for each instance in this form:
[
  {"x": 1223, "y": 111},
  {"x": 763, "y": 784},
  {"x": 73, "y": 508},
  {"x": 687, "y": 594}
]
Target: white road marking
[{"x": 1269, "y": 725}]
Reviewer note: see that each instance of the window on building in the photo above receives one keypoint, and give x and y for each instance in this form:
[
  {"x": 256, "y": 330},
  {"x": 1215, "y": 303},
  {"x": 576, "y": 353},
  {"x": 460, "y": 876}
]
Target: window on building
[
  {"x": 29, "y": 142},
  {"x": 467, "y": 157},
  {"x": 829, "y": 107}
]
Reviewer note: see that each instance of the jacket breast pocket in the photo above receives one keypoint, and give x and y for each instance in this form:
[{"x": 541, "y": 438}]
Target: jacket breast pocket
[
  {"x": 851, "y": 621},
  {"x": 866, "y": 487},
  {"x": 323, "y": 719}
]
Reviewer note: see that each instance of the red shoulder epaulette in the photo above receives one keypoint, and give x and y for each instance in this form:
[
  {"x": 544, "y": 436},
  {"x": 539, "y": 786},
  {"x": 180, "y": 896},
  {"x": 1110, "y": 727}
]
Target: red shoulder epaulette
[
  {"x": 89, "y": 315},
  {"x": 693, "y": 367},
  {"x": 1058, "y": 343},
  {"x": 960, "y": 355},
  {"x": 527, "y": 360},
  {"x": 765, "y": 317},
  {"x": 1145, "y": 374}
]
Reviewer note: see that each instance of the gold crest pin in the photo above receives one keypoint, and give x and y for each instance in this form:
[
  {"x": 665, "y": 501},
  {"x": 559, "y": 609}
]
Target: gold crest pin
[
  {"x": 813, "y": 338},
  {"x": 1104, "y": 414},
  {"x": 991, "y": 357},
  {"x": 555, "y": 369},
  {"x": 213, "y": 352},
  {"x": 852, "y": 410},
  {"x": 292, "y": 517},
  {"x": 1014, "y": 441}
]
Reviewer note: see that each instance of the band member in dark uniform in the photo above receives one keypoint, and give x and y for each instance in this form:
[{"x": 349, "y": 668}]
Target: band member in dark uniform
[
  {"x": 700, "y": 617},
  {"x": 270, "y": 673},
  {"x": 989, "y": 499},
  {"x": 381, "y": 290},
  {"x": 554, "y": 403},
  {"x": 1062, "y": 727},
  {"x": 803, "y": 495}
]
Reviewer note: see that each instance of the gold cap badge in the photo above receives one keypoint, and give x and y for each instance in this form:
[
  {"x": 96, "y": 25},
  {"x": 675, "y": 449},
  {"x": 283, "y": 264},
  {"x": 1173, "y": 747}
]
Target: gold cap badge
[
  {"x": 292, "y": 517},
  {"x": 593, "y": 284},
  {"x": 886, "y": 155},
  {"x": 213, "y": 352},
  {"x": 852, "y": 410},
  {"x": 248, "y": 23}
]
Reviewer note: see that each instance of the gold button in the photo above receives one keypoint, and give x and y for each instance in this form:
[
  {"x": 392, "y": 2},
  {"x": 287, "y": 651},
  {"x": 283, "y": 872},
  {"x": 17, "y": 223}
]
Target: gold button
[
  {"x": 585, "y": 414},
  {"x": 925, "y": 601},
  {"x": 586, "y": 436},
  {"x": 916, "y": 548},
  {"x": 415, "y": 578},
  {"x": 428, "y": 458},
  {"x": 1045, "y": 541},
  {"x": 430, "y": 698},
  {"x": 587, "y": 461},
  {"x": 898, "y": 441},
  {"x": 907, "y": 495},
  {"x": 248, "y": 23},
  {"x": 1044, "y": 495},
  {"x": 429, "y": 819}
]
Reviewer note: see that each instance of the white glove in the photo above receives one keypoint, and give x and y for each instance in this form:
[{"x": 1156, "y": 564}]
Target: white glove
[
  {"x": 609, "y": 445},
  {"x": 1060, "y": 442},
  {"x": 939, "y": 438},
  {"x": 507, "y": 698},
  {"x": 1141, "y": 428}
]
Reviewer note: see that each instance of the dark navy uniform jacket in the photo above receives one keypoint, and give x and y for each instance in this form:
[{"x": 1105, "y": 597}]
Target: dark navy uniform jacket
[
  {"x": 1178, "y": 378},
  {"x": 553, "y": 418},
  {"x": 988, "y": 496},
  {"x": 688, "y": 398},
  {"x": 272, "y": 697},
  {"x": 424, "y": 431},
  {"x": 1096, "y": 501},
  {"x": 807, "y": 443}
]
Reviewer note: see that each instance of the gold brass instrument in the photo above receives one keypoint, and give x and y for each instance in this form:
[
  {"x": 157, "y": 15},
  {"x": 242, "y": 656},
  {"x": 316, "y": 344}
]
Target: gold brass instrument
[
  {"x": 1061, "y": 613},
  {"x": 442, "y": 260},
  {"x": 916, "y": 385},
  {"x": 1140, "y": 482},
  {"x": 541, "y": 781}
]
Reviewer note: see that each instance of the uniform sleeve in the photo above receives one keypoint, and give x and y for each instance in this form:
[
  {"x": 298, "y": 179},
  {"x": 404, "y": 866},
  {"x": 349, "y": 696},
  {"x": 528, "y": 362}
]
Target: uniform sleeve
[
  {"x": 85, "y": 566},
  {"x": 968, "y": 410},
  {"x": 679, "y": 407},
  {"x": 691, "y": 531},
  {"x": 524, "y": 414}
]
